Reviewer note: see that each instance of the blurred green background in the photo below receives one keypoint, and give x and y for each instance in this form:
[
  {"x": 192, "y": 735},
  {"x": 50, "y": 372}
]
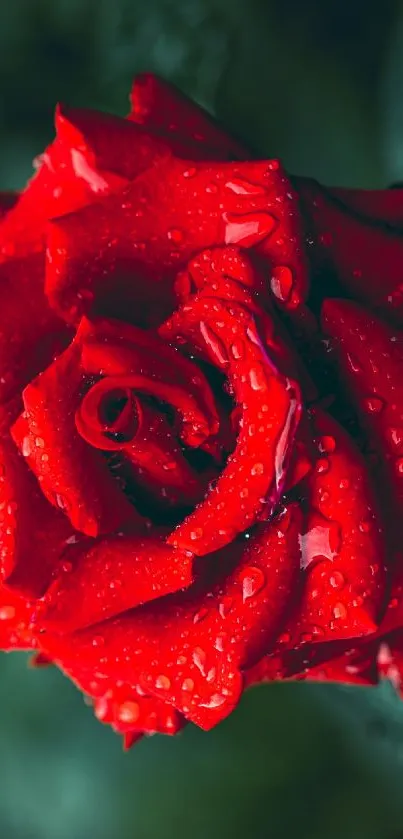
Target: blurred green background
[{"x": 319, "y": 83}]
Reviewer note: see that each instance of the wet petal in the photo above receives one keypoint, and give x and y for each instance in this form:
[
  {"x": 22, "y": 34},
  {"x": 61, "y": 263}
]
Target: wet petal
[
  {"x": 72, "y": 476},
  {"x": 189, "y": 653},
  {"x": 269, "y": 415},
  {"x": 160, "y": 106},
  {"x": 104, "y": 578},
  {"x": 156, "y": 224},
  {"x": 369, "y": 359}
]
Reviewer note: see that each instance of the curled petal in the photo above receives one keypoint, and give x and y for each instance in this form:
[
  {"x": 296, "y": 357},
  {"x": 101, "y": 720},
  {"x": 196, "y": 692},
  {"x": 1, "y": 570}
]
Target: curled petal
[
  {"x": 188, "y": 651},
  {"x": 72, "y": 476},
  {"x": 269, "y": 414},
  {"x": 104, "y": 578},
  {"x": 146, "y": 440},
  {"x": 156, "y": 224},
  {"x": 160, "y": 106},
  {"x": 369, "y": 358}
]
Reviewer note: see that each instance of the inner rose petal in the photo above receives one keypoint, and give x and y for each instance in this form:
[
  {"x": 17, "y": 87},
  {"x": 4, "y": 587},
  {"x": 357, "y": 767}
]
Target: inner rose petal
[{"x": 113, "y": 418}]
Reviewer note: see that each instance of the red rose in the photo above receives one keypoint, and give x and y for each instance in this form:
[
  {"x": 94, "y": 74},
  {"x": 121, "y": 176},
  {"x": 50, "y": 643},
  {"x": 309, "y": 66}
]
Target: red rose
[{"x": 201, "y": 419}]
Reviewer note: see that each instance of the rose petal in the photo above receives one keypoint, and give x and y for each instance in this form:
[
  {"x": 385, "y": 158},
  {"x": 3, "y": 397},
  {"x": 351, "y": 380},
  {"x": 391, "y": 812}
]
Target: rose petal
[
  {"x": 189, "y": 653},
  {"x": 32, "y": 534},
  {"x": 159, "y": 105},
  {"x": 366, "y": 256},
  {"x": 72, "y": 476},
  {"x": 157, "y": 223},
  {"x": 30, "y": 333},
  {"x": 109, "y": 576},
  {"x": 343, "y": 550},
  {"x": 254, "y": 476},
  {"x": 369, "y": 357}
]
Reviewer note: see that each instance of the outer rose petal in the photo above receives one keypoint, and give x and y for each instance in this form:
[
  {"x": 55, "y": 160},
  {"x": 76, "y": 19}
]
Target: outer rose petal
[
  {"x": 367, "y": 257},
  {"x": 369, "y": 357},
  {"x": 72, "y": 476},
  {"x": 30, "y": 333},
  {"x": 104, "y": 578},
  {"x": 17, "y": 627},
  {"x": 384, "y": 206},
  {"x": 156, "y": 224},
  {"x": 188, "y": 650},
  {"x": 343, "y": 551},
  {"x": 32, "y": 534},
  {"x": 159, "y": 105}
]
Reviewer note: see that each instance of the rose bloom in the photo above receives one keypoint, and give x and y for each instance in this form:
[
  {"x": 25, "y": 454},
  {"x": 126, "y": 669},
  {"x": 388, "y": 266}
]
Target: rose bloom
[{"x": 201, "y": 419}]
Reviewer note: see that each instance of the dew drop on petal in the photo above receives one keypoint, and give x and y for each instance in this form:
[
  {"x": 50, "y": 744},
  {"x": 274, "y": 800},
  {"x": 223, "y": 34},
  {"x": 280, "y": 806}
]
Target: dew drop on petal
[
  {"x": 253, "y": 580},
  {"x": 257, "y": 469},
  {"x": 188, "y": 685},
  {"x": 7, "y": 613},
  {"x": 175, "y": 235},
  {"x": 373, "y": 404},
  {"x": 199, "y": 659},
  {"x": 128, "y": 712},
  {"x": 281, "y": 282},
  {"x": 339, "y": 611},
  {"x": 225, "y": 606},
  {"x": 163, "y": 682},
  {"x": 26, "y": 446},
  {"x": 337, "y": 580},
  {"x": 197, "y": 533},
  {"x": 399, "y": 466}
]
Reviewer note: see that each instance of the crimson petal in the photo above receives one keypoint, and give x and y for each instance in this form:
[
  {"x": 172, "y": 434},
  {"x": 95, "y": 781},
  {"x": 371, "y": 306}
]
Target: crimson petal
[
  {"x": 254, "y": 476},
  {"x": 159, "y": 105},
  {"x": 369, "y": 357},
  {"x": 72, "y": 476},
  {"x": 109, "y": 576},
  {"x": 189, "y": 653},
  {"x": 156, "y": 224}
]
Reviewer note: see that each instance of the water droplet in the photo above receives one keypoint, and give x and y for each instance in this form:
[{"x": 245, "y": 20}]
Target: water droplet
[
  {"x": 399, "y": 466},
  {"x": 339, "y": 611},
  {"x": 364, "y": 526},
  {"x": 216, "y": 700},
  {"x": 201, "y": 615},
  {"x": 163, "y": 682},
  {"x": 39, "y": 442},
  {"x": 197, "y": 533},
  {"x": 190, "y": 173},
  {"x": 214, "y": 342},
  {"x": 253, "y": 580},
  {"x": 128, "y": 712},
  {"x": 7, "y": 613},
  {"x": 322, "y": 465},
  {"x": 237, "y": 349},
  {"x": 188, "y": 685},
  {"x": 241, "y": 187},
  {"x": 212, "y": 189},
  {"x": 354, "y": 365},
  {"x": 326, "y": 444},
  {"x": 373, "y": 404},
  {"x": 181, "y": 660},
  {"x": 225, "y": 606},
  {"x": 219, "y": 642},
  {"x": 281, "y": 282},
  {"x": 26, "y": 446},
  {"x": 199, "y": 658},
  {"x": 273, "y": 165},
  {"x": 101, "y": 709},
  {"x": 248, "y": 229},
  {"x": 257, "y": 469},
  {"x": 396, "y": 436},
  {"x": 169, "y": 466},
  {"x": 175, "y": 235},
  {"x": 321, "y": 540},
  {"x": 257, "y": 378},
  {"x": 337, "y": 580}
]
